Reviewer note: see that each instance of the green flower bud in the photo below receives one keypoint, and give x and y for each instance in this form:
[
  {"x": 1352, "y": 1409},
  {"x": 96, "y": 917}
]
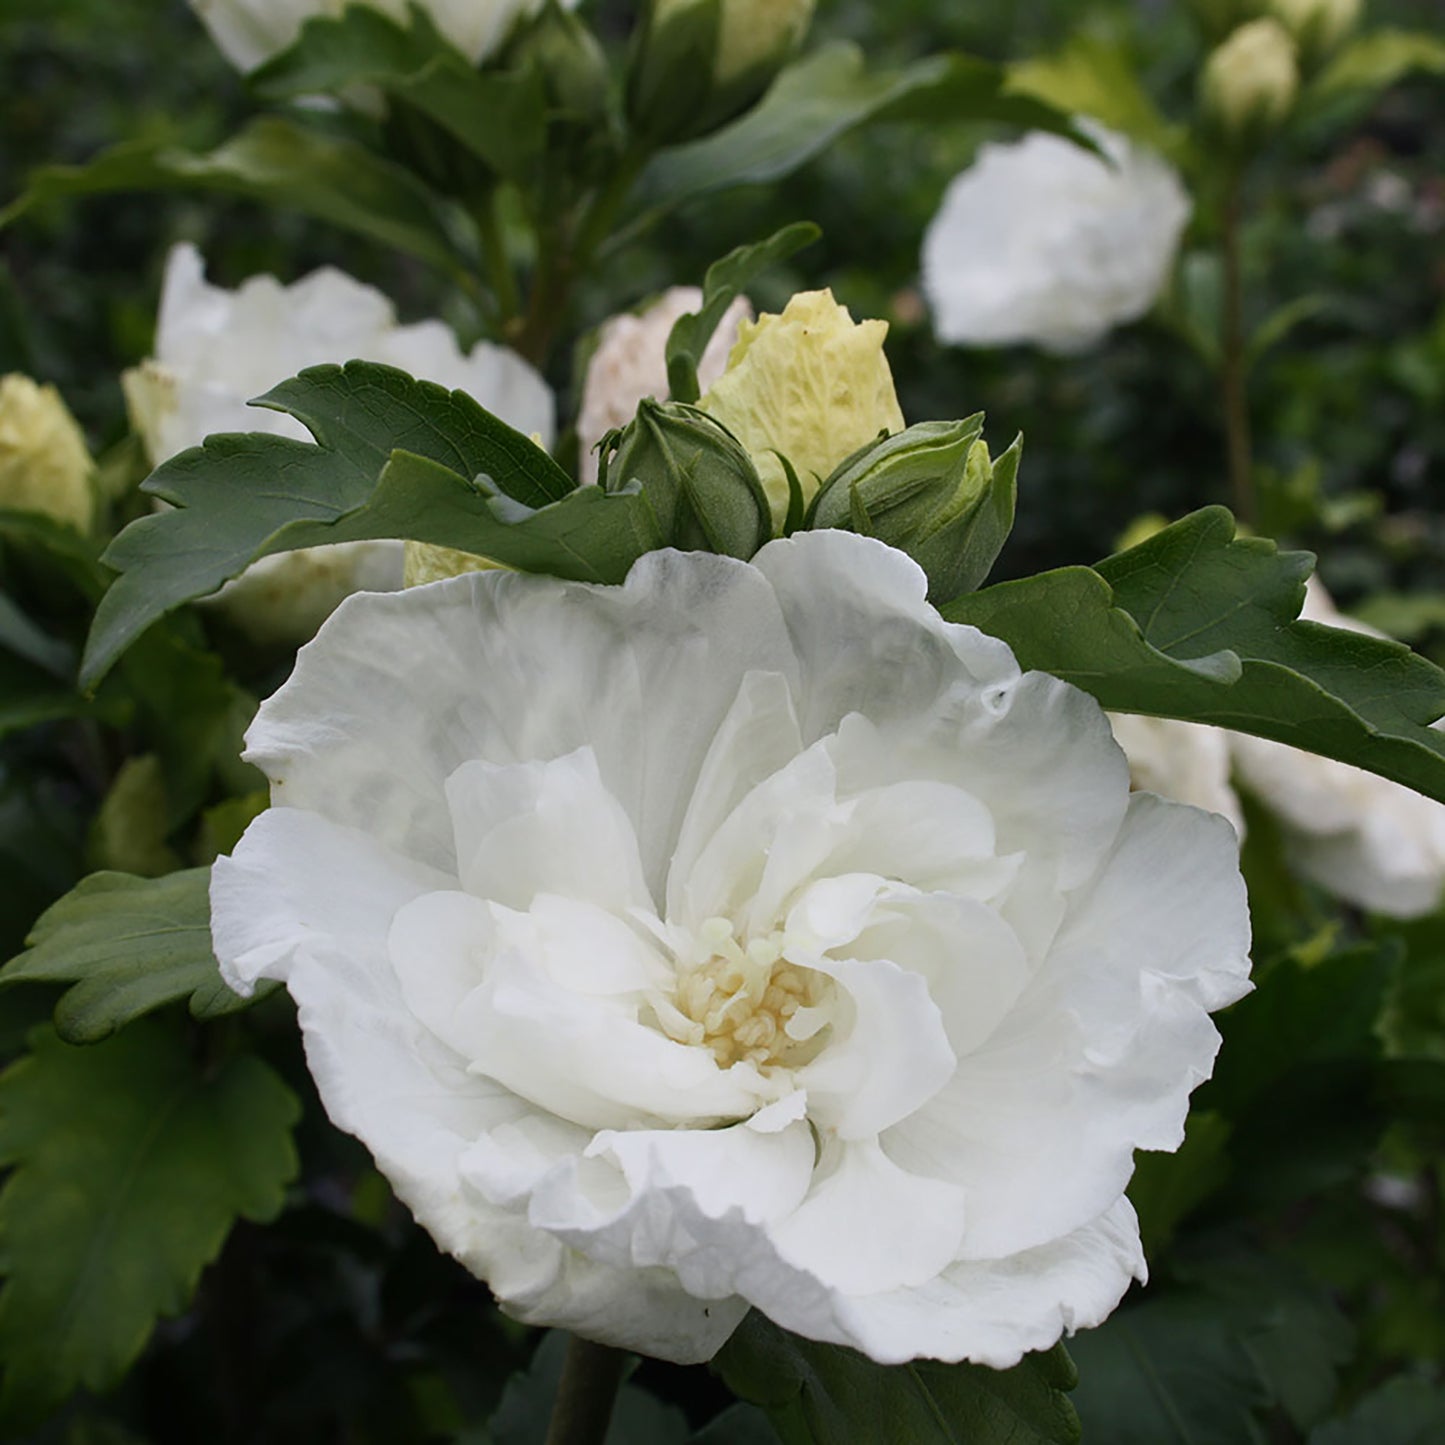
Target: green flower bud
[
  {"x": 698, "y": 63},
  {"x": 569, "y": 59},
  {"x": 698, "y": 478},
  {"x": 933, "y": 492},
  {"x": 1251, "y": 81},
  {"x": 1317, "y": 25}
]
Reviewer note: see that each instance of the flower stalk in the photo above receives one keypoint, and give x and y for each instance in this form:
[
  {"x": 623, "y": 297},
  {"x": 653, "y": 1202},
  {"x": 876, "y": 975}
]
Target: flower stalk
[
  {"x": 1239, "y": 447},
  {"x": 591, "y": 1376}
]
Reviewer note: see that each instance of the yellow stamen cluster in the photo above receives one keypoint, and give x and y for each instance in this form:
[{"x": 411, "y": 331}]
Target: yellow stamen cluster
[{"x": 750, "y": 1004}]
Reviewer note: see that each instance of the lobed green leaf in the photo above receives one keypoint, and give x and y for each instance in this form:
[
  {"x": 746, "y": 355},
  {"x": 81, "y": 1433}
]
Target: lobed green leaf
[
  {"x": 1198, "y": 624},
  {"x": 127, "y": 946},
  {"x": 129, "y": 1166},
  {"x": 393, "y": 457}
]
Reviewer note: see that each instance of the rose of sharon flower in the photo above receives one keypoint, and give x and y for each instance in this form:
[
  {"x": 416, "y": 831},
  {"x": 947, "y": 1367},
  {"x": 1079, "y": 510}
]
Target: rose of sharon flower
[
  {"x": 217, "y": 349},
  {"x": 45, "y": 465},
  {"x": 630, "y": 363},
  {"x": 812, "y": 384},
  {"x": 1183, "y": 761},
  {"x": 250, "y": 31},
  {"x": 1374, "y": 843},
  {"x": 1041, "y": 242},
  {"x": 742, "y": 935}
]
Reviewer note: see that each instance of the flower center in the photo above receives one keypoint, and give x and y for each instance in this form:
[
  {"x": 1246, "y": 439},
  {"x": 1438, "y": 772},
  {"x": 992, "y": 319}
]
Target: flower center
[{"x": 748, "y": 1003}]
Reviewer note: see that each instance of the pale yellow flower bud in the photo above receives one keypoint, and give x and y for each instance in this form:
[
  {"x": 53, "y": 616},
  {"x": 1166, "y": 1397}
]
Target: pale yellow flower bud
[
  {"x": 45, "y": 465},
  {"x": 812, "y": 384},
  {"x": 1317, "y": 25},
  {"x": 754, "y": 33},
  {"x": 1251, "y": 81}
]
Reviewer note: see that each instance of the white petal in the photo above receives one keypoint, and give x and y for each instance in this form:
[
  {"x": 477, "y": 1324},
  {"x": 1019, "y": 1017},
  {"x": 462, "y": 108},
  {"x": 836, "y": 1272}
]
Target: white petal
[
  {"x": 865, "y": 634},
  {"x": 400, "y": 691},
  {"x": 869, "y": 1226},
  {"x": 888, "y": 1061},
  {"x": 544, "y": 827},
  {"x": 669, "y": 1186},
  {"x": 1100, "y": 1053},
  {"x": 996, "y": 1311},
  {"x": 972, "y": 961},
  {"x": 587, "y": 1058},
  {"x": 311, "y": 903}
]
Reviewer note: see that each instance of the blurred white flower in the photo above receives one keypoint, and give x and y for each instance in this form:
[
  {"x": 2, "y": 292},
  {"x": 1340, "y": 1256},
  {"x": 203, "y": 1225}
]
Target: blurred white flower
[
  {"x": 1374, "y": 843},
  {"x": 1183, "y": 761},
  {"x": 631, "y": 363},
  {"x": 1039, "y": 241},
  {"x": 217, "y": 349},
  {"x": 250, "y": 31},
  {"x": 741, "y": 935},
  {"x": 45, "y": 465}
]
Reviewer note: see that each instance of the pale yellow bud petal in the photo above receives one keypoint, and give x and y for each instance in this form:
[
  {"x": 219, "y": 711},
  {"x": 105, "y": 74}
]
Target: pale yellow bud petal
[
  {"x": 1251, "y": 81},
  {"x": 812, "y": 384},
  {"x": 45, "y": 465}
]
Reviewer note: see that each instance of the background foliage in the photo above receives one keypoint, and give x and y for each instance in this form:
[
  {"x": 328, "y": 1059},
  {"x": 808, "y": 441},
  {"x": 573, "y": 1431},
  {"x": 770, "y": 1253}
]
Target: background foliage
[{"x": 1298, "y": 1238}]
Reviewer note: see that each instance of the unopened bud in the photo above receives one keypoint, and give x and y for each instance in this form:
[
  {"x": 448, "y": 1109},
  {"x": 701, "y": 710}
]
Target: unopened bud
[
  {"x": 701, "y": 62},
  {"x": 698, "y": 479},
  {"x": 1251, "y": 81},
  {"x": 1317, "y": 25},
  {"x": 933, "y": 492},
  {"x": 44, "y": 463}
]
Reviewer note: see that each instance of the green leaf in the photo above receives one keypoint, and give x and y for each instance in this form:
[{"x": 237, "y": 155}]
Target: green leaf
[
  {"x": 458, "y": 478},
  {"x": 20, "y": 637},
  {"x": 280, "y": 164},
  {"x": 737, "y": 1425},
  {"x": 1198, "y": 624},
  {"x": 1378, "y": 59},
  {"x": 1170, "y": 1371},
  {"x": 130, "y": 1166},
  {"x": 497, "y": 116},
  {"x": 725, "y": 281},
  {"x": 1278, "y": 325},
  {"x": 822, "y": 97},
  {"x": 129, "y": 831},
  {"x": 1406, "y": 1411},
  {"x": 818, "y": 1394},
  {"x": 1167, "y": 1188},
  {"x": 127, "y": 946},
  {"x": 1092, "y": 77}
]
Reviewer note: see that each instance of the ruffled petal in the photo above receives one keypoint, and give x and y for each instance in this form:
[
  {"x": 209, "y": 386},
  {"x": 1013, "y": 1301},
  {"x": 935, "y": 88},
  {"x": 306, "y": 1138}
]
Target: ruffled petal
[{"x": 1100, "y": 1053}]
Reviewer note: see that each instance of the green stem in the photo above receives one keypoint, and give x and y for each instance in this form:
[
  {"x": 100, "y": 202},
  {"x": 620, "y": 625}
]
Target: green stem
[
  {"x": 1234, "y": 395},
  {"x": 591, "y": 1375},
  {"x": 494, "y": 250}
]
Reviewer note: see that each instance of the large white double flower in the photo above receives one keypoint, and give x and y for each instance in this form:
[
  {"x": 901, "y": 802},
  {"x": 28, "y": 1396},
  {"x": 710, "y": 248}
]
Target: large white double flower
[{"x": 741, "y": 935}]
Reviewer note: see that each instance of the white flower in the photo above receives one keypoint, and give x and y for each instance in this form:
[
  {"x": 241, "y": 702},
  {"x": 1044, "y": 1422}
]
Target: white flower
[
  {"x": 741, "y": 935},
  {"x": 1375, "y": 843},
  {"x": 1183, "y": 761},
  {"x": 630, "y": 363},
  {"x": 216, "y": 349},
  {"x": 1039, "y": 241},
  {"x": 250, "y": 31}
]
